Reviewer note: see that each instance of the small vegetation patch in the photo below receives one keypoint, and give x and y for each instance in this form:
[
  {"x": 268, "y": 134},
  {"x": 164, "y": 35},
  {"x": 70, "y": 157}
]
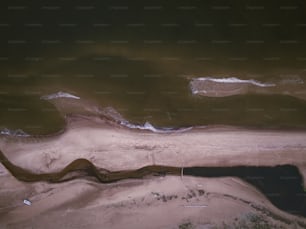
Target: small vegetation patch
[
  {"x": 187, "y": 225},
  {"x": 252, "y": 221}
]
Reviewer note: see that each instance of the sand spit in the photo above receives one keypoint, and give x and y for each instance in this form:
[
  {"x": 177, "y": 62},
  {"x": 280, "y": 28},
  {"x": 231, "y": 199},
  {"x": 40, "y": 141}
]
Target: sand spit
[
  {"x": 163, "y": 202},
  {"x": 118, "y": 148},
  {"x": 202, "y": 202}
]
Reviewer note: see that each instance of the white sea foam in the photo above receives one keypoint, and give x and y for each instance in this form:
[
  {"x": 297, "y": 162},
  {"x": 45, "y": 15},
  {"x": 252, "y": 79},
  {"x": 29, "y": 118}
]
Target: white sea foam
[
  {"x": 234, "y": 80},
  {"x": 198, "y": 86},
  {"x": 17, "y": 133},
  {"x": 116, "y": 116},
  {"x": 59, "y": 94},
  {"x": 149, "y": 126}
]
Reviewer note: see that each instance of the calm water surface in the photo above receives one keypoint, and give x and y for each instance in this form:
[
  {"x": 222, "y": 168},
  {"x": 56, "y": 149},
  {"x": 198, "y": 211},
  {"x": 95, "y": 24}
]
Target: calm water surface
[{"x": 138, "y": 57}]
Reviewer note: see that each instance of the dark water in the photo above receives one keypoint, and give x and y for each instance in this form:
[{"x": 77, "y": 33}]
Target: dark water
[
  {"x": 30, "y": 114},
  {"x": 282, "y": 185},
  {"x": 135, "y": 56}
]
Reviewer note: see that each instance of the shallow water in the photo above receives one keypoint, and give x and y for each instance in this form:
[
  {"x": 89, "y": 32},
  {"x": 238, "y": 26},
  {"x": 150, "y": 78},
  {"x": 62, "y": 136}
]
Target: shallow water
[
  {"x": 282, "y": 185},
  {"x": 139, "y": 57}
]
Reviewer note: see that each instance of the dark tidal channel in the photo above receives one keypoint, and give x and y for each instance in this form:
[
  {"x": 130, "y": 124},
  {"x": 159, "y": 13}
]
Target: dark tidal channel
[{"x": 282, "y": 185}]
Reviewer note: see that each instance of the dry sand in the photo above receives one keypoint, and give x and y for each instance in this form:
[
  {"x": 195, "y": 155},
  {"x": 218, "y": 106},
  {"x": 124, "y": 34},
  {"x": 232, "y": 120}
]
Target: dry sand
[{"x": 165, "y": 202}]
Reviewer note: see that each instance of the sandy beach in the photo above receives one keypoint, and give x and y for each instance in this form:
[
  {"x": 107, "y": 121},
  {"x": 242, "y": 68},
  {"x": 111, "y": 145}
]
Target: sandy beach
[
  {"x": 153, "y": 115},
  {"x": 142, "y": 203}
]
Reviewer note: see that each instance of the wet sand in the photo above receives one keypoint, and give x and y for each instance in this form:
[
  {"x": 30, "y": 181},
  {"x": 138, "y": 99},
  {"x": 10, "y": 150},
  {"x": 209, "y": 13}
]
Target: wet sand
[{"x": 85, "y": 203}]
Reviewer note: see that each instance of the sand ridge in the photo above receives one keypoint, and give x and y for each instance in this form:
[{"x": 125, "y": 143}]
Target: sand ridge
[{"x": 143, "y": 203}]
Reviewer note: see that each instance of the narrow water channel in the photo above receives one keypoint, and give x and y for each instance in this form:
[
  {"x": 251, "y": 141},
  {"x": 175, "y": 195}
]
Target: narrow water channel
[{"x": 282, "y": 185}]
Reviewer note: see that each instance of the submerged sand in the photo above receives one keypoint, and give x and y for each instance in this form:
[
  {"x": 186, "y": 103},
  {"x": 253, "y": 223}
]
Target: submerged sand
[
  {"x": 229, "y": 86},
  {"x": 151, "y": 202}
]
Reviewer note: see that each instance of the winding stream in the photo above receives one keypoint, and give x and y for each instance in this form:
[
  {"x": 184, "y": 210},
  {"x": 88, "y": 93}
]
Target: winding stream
[{"x": 282, "y": 185}]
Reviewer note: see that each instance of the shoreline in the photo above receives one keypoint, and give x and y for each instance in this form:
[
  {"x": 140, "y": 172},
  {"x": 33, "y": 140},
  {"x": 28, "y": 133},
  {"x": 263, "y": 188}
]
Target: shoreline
[
  {"x": 120, "y": 205},
  {"x": 78, "y": 127},
  {"x": 114, "y": 148},
  {"x": 67, "y": 107},
  {"x": 85, "y": 120}
]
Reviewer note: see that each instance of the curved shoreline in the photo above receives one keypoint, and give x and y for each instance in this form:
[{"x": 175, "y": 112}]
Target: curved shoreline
[
  {"x": 289, "y": 117},
  {"x": 224, "y": 139}
]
